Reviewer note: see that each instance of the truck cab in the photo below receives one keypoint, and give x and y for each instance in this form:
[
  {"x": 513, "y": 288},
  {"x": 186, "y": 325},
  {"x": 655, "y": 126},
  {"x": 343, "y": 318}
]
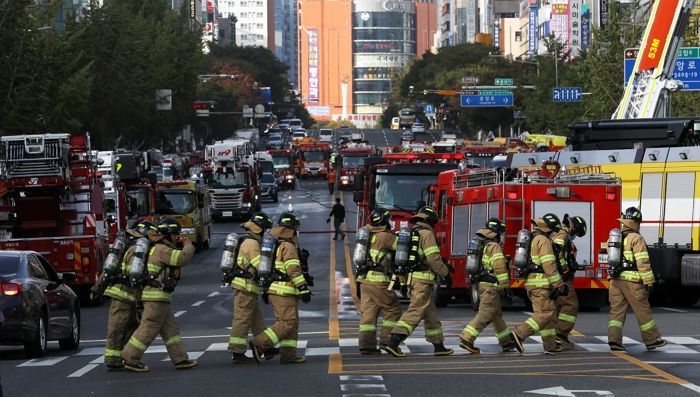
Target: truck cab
[
  {"x": 188, "y": 203},
  {"x": 283, "y": 161}
]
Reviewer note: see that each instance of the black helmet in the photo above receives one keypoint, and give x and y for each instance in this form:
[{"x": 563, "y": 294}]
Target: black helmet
[
  {"x": 261, "y": 219},
  {"x": 289, "y": 220},
  {"x": 144, "y": 227},
  {"x": 552, "y": 222},
  {"x": 430, "y": 213},
  {"x": 496, "y": 225},
  {"x": 379, "y": 217},
  {"x": 632, "y": 213},
  {"x": 577, "y": 224},
  {"x": 169, "y": 226}
]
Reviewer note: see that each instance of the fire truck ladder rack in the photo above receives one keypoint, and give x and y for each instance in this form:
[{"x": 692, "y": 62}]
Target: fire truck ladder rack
[
  {"x": 31, "y": 156},
  {"x": 83, "y": 173},
  {"x": 582, "y": 175},
  {"x": 476, "y": 178}
]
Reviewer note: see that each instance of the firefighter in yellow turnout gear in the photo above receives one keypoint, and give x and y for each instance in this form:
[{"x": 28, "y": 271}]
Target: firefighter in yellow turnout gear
[
  {"x": 632, "y": 286},
  {"x": 567, "y": 304},
  {"x": 493, "y": 282},
  {"x": 543, "y": 283},
  {"x": 246, "y": 310},
  {"x": 284, "y": 294},
  {"x": 422, "y": 280},
  {"x": 164, "y": 263},
  {"x": 123, "y": 310},
  {"x": 375, "y": 295}
]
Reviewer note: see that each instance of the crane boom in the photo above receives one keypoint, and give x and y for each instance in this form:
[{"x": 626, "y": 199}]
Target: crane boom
[{"x": 648, "y": 90}]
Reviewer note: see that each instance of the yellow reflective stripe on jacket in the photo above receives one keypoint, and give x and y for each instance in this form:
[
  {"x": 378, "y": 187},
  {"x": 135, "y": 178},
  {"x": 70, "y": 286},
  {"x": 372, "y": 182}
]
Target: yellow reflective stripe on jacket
[
  {"x": 174, "y": 256},
  {"x": 502, "y": 277},
  {"x": 537, "y": 280},
  {"x": 156, "y": 295},
  {"x": 280, "y": 288},
  {"x": 118, "y": 293},
  {"x": 377, "y": 277},
  {"x": 431, "y": 250},
  {"x": 299, "y": 280},
  {"x": 558, "y": 241},
  {"x": 376, "y": 255},
  {"x": 647, "y": 276},
  {"x": 548, "y": 258},
  {"x": 291, "y": 262},
  {"x": 631, "y": 275},
  {"x": 641, "y": 255},
  {"x": 153, "y": 268},
  {"x": 426, "y": 276},
  {"x": 248, "y": 285},
  {"x": 553, "y": 279}
]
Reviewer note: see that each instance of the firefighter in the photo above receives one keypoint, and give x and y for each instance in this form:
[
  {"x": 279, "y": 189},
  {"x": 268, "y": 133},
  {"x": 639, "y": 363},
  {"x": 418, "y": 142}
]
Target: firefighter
[
  {"x": 246, "y": 311},
  {"x": 567, "y": 304},
  {"x": 493, "y": 282},
  {"x": 421, "y": 282},
  {"x": 123, "y": 310},
  {"x": 164, "y": 263},
  {"x": 543, "y": 284},
  {"x": 284, "y": 294},
  {"x": 632, "y": 286},
  {"x": 375, "y": 295}
]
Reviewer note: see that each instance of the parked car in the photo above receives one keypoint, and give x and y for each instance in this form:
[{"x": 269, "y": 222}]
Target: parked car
[
  {"x": 36, "y": 303},
  {"x": 418, "y": 128},
  {"x": 407, "y": 135},
  {"x": 325, "y": 135},
  {"x": 269, "y": 187}
]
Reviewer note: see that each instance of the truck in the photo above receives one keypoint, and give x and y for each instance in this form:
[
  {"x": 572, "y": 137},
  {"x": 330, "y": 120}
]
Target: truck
[
  {"x": 248, "y": 134},
  {"x": 399, "y": 183},
  {"x": 284, "y": 161},
  {"x": 313, "y": 159},
  {"x": 54, "y": 203},
  {"x": 351, "y": 157},
  {"x": 232, "y": 179},
  {"x": 187, "y": 202},
  {"x": 406, "y": 118},
  {"x": 135, "y": 171},
  {"x": 465, "y": 198},
  {"x": 115, "y": 194}
]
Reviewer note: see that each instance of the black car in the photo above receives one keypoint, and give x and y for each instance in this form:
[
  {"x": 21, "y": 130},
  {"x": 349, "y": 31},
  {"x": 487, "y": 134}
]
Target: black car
[
  {"x": 36, "y": 304},
  {"x": 269, "y": 187}
]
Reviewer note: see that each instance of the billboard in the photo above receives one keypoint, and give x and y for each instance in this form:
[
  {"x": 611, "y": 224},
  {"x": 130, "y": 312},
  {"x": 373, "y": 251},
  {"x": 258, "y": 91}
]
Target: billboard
[
  {"x": 532, "y": 30},
  {"x": 575, "y": 26},
  {"x": 559, "y": 21},
  {"x": 585, "y": 26},
  {"x": 604, "y": 7},
  {"x": 313, "y": 66}
]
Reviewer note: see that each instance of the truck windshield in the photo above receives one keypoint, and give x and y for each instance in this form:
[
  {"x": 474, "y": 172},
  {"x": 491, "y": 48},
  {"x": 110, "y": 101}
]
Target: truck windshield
[
  {"x": 314, "y": 156},
  {"x": 401, "y": 191},
  {"x": 282, "y": 161},
  {"x": 138, "y": 202},
  {"x": 179, "y": 203},
  {"x": 221, "y": 180},
  {"x": 352, "y": 161}
]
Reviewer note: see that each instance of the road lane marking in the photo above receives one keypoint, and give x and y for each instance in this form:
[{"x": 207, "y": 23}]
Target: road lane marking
[
  {"x": 43, "y": 362},
  {"x": 672, "y": 362},
  {"x": 362, "y": 386},
  {"x": 657, "y": 371},
  {"x": 191, "y": 355},
  {"x": 180, "y": 313},
  {"x": 682, "y": 340},
  {"x": 346, "y": 378},
  {"x": 83, "y": 371},
  {"x": 198, "y": 303},
  {"x": 673, "y": 310},
  {"x": 321, "y": 351},
  {"x": 213, "y": 294},
  {"x": 335, "y": 364},
  {"x": 333, "y": 324}
]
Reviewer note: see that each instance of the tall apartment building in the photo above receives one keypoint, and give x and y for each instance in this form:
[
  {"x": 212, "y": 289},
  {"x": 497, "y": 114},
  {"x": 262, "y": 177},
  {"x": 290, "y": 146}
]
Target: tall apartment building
[
  {"x": 286, "y": 37},
  {"x": 256, "y": 21}
]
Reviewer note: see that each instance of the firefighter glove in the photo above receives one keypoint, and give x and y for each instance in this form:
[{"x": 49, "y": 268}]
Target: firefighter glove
[
  {"x": 649, "y": 288},
  {"x": 304, "y": 294},
  {"x": 554, "y": 293}
]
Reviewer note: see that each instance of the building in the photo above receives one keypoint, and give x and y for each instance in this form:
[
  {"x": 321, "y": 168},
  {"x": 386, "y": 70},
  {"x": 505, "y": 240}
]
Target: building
[
  {"x": 256, "y": 21},
  {"x": 286, "y": 37},
  {"x": 426, "y": 26}
]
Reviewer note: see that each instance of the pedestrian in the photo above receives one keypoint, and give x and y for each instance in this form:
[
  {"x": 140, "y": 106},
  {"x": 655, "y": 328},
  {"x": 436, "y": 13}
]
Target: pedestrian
[
  {"x": 246, "y": 310},
  {"x": 630, "y": 286},
  {"x": 288, "y": 287},
  {"x": 338, "y": 215},
  {"x": 123, "y": 309},
  {"x": 543, "y": 283},
  {"x": 564, "y": 249},
  {"x": 375, "y": 295},
  {"x": 421, "y": 283},
  {"x": 331, "y": 180},
  {"x": 164, "y": 263},
  {"x": 492, "y": 283}
]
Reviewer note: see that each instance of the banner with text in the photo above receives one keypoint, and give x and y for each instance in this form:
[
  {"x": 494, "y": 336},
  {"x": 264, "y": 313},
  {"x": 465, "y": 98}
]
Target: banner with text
[
  {"x": 532, "y": 30},
  {"x": 313, "y": 66}
]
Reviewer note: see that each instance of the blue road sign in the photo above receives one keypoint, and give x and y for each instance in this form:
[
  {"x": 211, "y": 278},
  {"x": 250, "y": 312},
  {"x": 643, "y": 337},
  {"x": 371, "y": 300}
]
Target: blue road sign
[
  {"x": 687, "y": 68},
  {"x": 566, "y": 94},
  {"x": 429, "y": 108},
  {"x": 500, "y": 100}
]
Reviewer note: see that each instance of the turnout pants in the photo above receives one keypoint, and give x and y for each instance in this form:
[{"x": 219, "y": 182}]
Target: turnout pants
[
  {"x": 158, "y": 319},
  {"x": 285, "y": 329},
  {"x": 421, "y": 308},
  {"x": 489, "y": 313},
  {"x": 246, "y": 316},
  {"x": 121, "y": 324},
  {"x": 567, "y": 307},
  {"x": 624, "y": 294},
  {"x": 375, "y": 299},
  {"x": 542, "y": 319}
]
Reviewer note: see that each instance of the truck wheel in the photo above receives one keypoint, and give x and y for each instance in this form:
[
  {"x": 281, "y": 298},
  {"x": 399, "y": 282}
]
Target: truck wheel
[
  {"x": 73, "y": 341},
  {"x": 474, "y": 292},
  {"x": 37, "y": 347}
]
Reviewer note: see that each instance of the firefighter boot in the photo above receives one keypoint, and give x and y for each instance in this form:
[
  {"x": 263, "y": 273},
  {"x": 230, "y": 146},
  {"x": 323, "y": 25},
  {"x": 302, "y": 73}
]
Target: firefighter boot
[
  {"x": 441, "y": 350},
  {"x": 508, "y": 347},
  {"x": 271, "y": 353},
  {"x": 138, "y": 367},
  {"x": 657, "y": 343},
  {"x": 257, "y": 352},
  {"x": 564, "y": 342},
  {"x": 294, "y": 360},
  {"x": 393, "y": 346},
  {"x": 469, "y": 346},
  {"x": 370, "y": 352},
  {"x": 186, "y": 364},
  {"x": 616, "y": 347},
  {"x": 517, "y": 342},
  {"x": 241, "y": 358}
]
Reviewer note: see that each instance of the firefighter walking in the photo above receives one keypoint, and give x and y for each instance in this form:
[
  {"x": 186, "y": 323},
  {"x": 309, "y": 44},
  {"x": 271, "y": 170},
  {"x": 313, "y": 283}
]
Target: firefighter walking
[
  {"x": 631, "y": 281},
  {"x": 246, "y": 309},
  {"x": 288, "y": 287},
  {"x": 543, "y": 285},
  {"x": 567, "y": 304},
  {"x": 493, "y": 282},
  {"x": 375, "y": 295},
  {"x": 164, "y": 263},
  {"x": 422, "y": 280}
]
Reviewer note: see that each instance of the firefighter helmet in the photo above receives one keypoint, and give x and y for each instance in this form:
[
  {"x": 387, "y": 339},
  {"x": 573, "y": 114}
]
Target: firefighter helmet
[
  {"x": 379, "y": 217},
  {"x": 632, "y": 213},
  {"x": 289, "y": 220},
  {"x": 144, "y": 227},
  {"x": 496, "y": 225},
  {"x": 169, "y": 226},
  {"x": 261, "y": 219},
  {"x": 429, "y": 214},
  {"x": 552, "y": 221},
  {"x": 577, "y": 224}
]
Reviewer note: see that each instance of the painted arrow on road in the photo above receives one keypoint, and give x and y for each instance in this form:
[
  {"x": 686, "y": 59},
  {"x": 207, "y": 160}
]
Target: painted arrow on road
[{"x": 563, "y": 392}]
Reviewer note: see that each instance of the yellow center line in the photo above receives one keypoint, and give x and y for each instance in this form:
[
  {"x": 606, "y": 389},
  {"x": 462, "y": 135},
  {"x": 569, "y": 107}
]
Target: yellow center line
[
  {"x": 482, "y": 359},
  {"x": 650, "y": 368},
  {"x": 480, "y": 365},
  {"x": 348, "y": 262},
  {"x": 333, "y": 325},
  {"x": 576, "y": 333}
]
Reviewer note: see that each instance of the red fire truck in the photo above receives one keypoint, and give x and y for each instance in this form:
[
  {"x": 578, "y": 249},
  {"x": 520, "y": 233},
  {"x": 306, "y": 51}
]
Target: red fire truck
[
  {"x": 465, "y": 199},
  {"x": 398, "y": 182},
  {"x": 313, "y": 159},
  {"x": 284, "y": 166},
  {"x": 134, "y": 170},
  {"x": 351, "y": 157},
  {"x": 55, "y": 203}
]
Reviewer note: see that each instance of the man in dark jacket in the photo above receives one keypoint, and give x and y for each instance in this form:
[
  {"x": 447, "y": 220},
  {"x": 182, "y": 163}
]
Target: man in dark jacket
[{"x": 338, "y": 214}]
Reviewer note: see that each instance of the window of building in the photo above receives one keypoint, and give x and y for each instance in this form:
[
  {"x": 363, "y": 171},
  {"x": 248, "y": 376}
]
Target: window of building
[{"x": 518, "y": 36}]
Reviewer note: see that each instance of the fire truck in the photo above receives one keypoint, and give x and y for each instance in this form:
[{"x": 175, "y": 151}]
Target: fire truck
[
  {"x": 313, "y": 159},
  {"x": 115, "y": 195},
  {"x": 134, "y": 171},
  {"x": 55, "y": 203},
  {"x": 232, "y": 179},
  {"x": 187, "y": 202},
  {"x": 284, "y": 166},
  {"x": 398, "y": 182},
  {"x": 351, "y": 157},
  {"x": 466, "y": 198}
]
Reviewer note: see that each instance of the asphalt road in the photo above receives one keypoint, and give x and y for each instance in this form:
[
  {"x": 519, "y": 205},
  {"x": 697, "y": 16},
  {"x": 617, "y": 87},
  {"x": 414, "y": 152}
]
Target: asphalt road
[{"x": 328, "y": 338}]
